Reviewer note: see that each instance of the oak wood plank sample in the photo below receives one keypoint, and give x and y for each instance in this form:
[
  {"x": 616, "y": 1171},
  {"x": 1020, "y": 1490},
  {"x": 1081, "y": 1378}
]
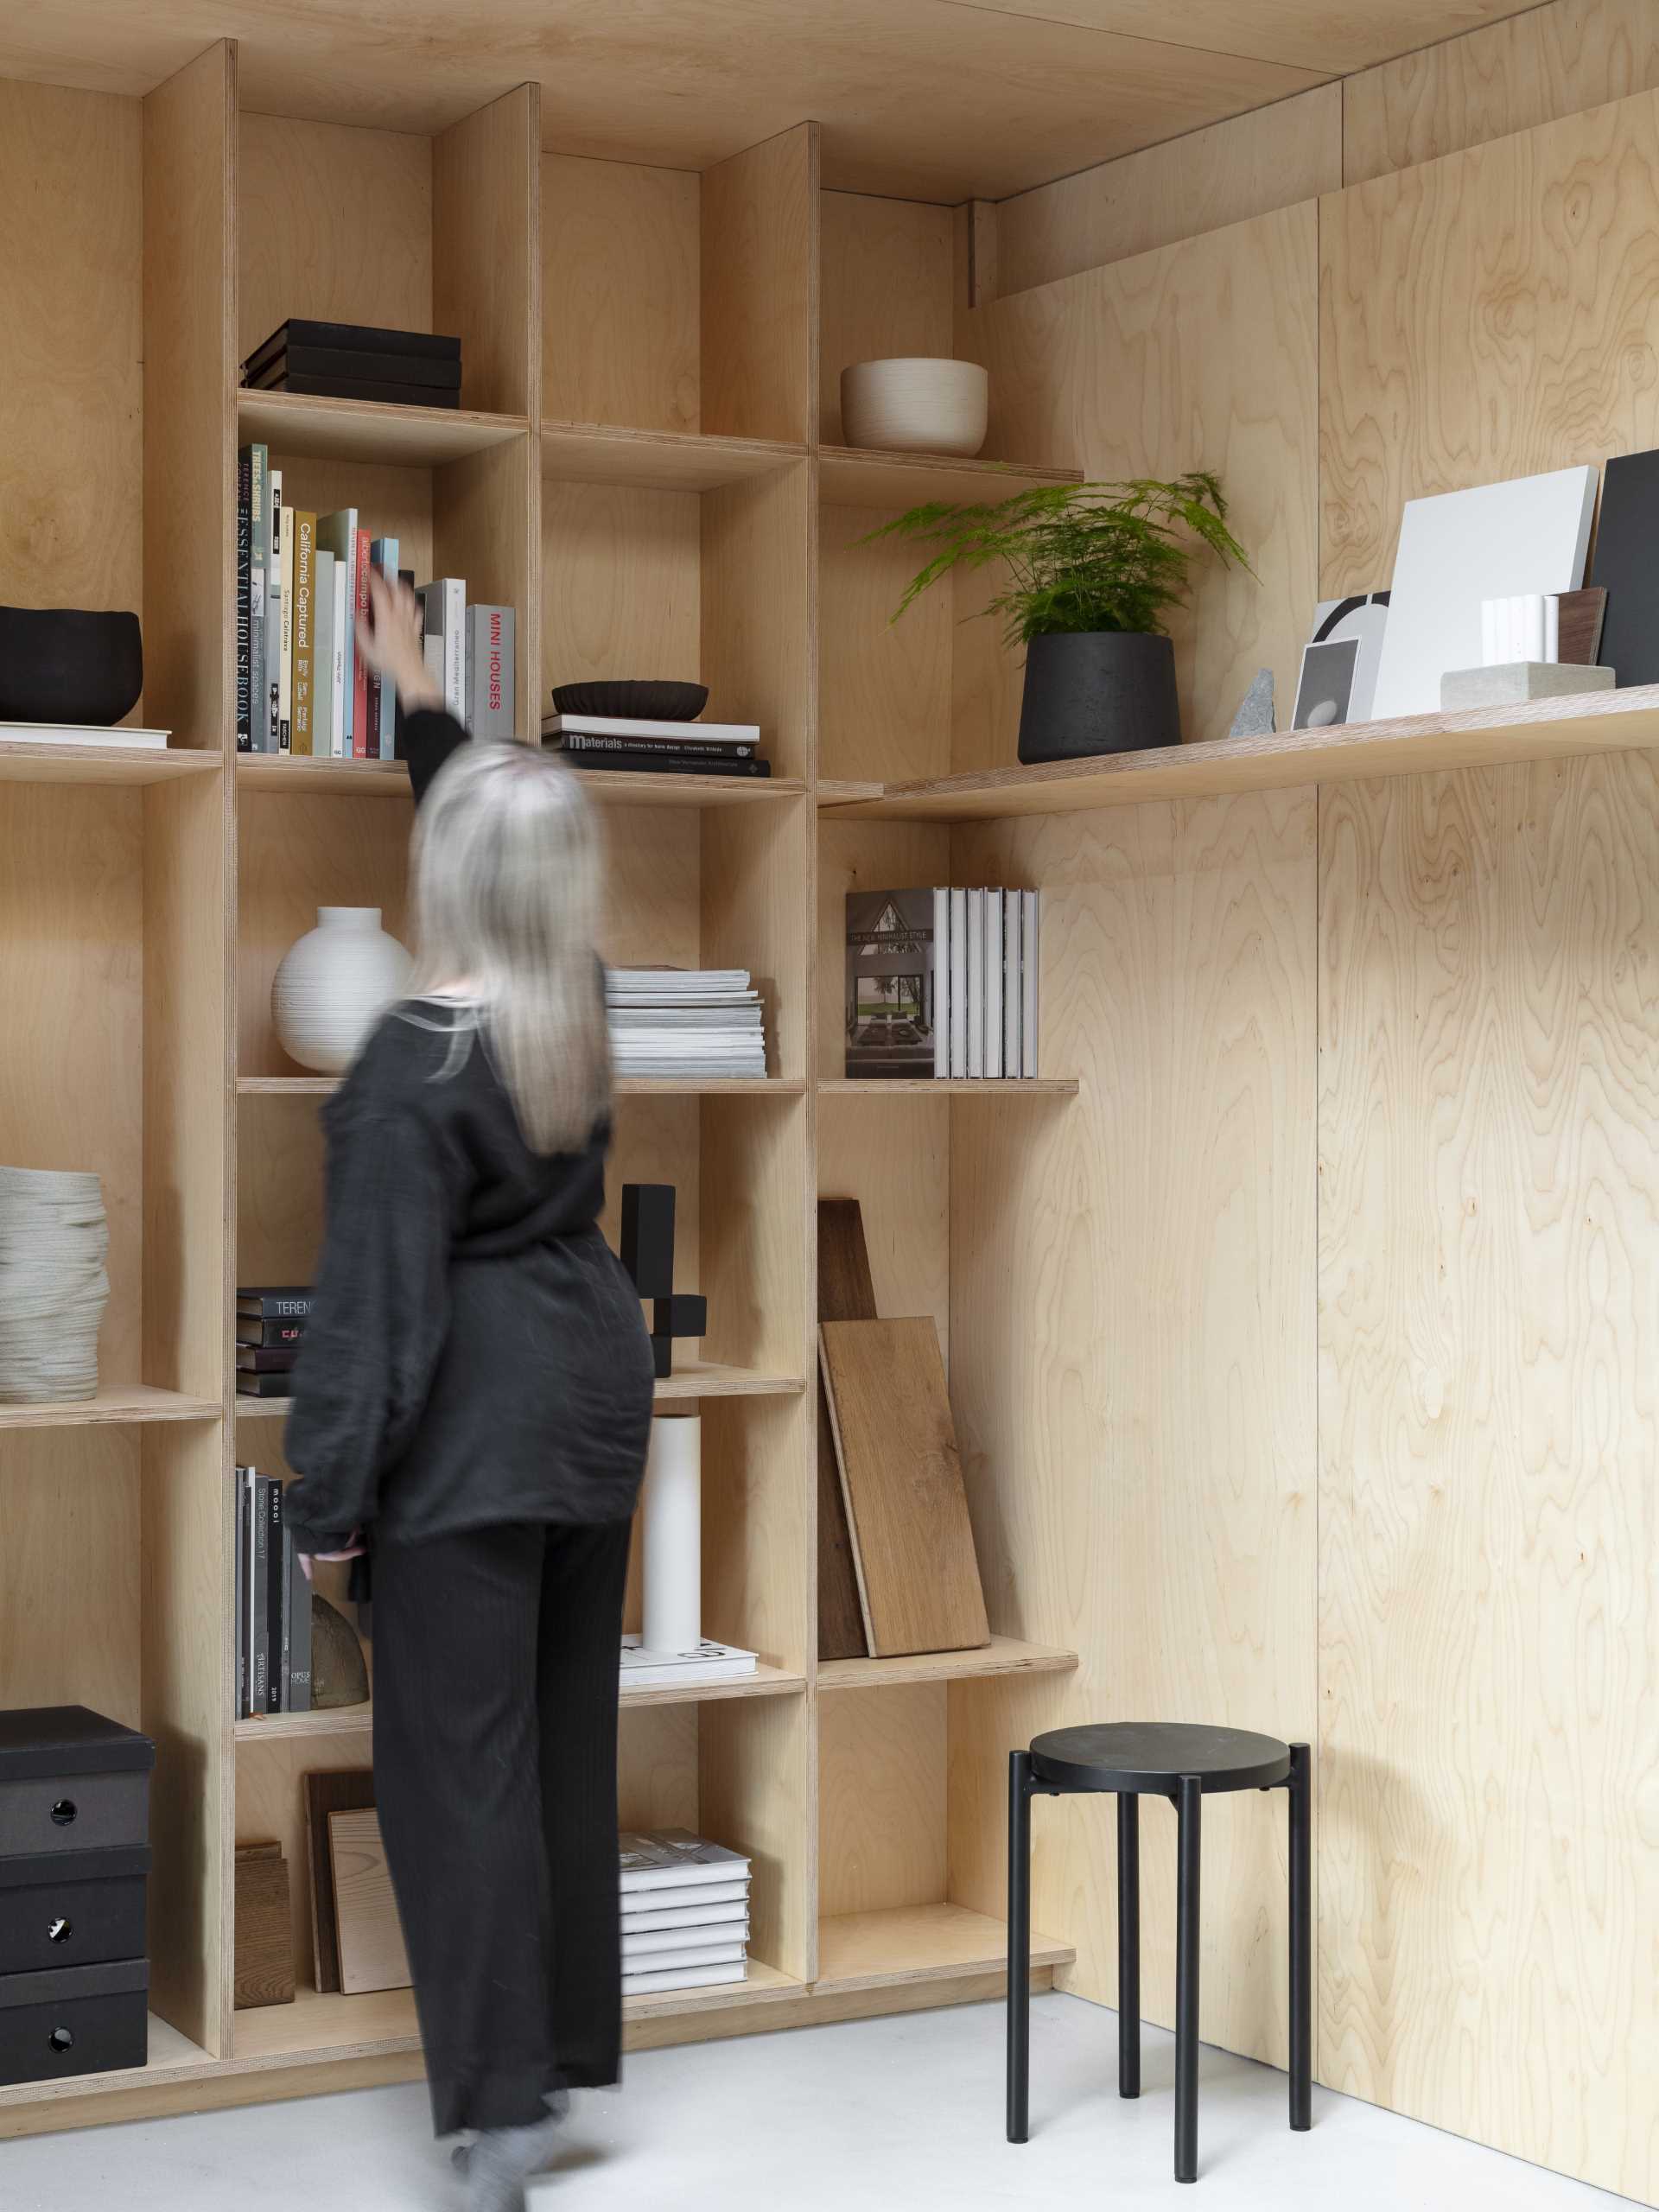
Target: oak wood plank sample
[
  {"x": 372, "y": 1953},
  {"x": 265, "y": 1946},
  {"x": 846, "y": 1293},
  {"x": 896, "y": 1447},
  {"x": 335, "y": 1790}
]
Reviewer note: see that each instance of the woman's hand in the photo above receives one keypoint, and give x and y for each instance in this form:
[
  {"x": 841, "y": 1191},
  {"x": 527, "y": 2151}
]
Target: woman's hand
[
  {"x": 355, "y": 1549},
  {"x": 390, "y": 640}
]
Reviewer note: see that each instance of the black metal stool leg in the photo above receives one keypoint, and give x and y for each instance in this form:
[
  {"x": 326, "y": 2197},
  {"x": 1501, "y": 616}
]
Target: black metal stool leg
[
  {"x": 1018, "y": 1946},
  {"x": 1301, "y": 1937},
  {"x": 1188, "y": 1798},
  {"x": 1129, "y": 1945}
]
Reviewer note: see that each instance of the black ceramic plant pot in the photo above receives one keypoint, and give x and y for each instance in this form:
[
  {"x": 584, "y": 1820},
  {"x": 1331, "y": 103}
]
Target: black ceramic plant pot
[
  {"x": 62, "y": 665},
  {"x": 1098, "y": 691}
]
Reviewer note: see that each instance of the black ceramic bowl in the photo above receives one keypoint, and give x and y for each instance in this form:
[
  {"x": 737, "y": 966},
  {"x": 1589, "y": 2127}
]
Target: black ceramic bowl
[
  {"x": 641, "y": 703},
  {"x": 63, "y": 664}
]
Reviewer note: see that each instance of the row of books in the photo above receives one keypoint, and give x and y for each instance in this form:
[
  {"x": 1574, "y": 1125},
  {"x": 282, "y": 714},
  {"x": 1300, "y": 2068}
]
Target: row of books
[
  {"x": 942, "y": 983},
  {"x": 270, "y": 1322},
  {"x": 685, "y": 1913},
  {"x": 273, "y": 1605},
  {"x": 354, "y": 360},
  {"x": 302, "y": 586},
  {"x": 657, "y": 748},
  {"x": 688, "y": 1022}
]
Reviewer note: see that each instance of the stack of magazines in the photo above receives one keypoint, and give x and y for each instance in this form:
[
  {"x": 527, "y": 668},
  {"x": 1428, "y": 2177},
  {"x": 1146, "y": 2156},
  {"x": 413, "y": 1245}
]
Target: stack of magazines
[
  {"x": 692, "y": 1023},
  {"x": 685, "y": 1913},
  {"x": 657, "y": 748}
]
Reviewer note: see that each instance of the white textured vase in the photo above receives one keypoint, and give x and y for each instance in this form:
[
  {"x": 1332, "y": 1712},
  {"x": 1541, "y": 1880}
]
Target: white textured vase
[
  {"x": 671, "y": 1508},
  {"x": 334, "y": 985},
  {"x": 55, "y": 1241},
  {"x": 915, "y": 405}
]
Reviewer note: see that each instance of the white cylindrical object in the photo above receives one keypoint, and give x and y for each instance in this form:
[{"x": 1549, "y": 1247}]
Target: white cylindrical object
[
  {"x": 672, "y": 1503},
  {"x": 334, "y": 985},
  {"x": 915, "y": 405}
]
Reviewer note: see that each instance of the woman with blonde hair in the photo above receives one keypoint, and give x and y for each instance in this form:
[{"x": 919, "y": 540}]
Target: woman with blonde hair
[{"x": 473, "y": 1394}]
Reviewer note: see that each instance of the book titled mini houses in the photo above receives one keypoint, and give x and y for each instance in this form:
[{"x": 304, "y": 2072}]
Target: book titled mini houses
[{"x": 891, "y": 979}]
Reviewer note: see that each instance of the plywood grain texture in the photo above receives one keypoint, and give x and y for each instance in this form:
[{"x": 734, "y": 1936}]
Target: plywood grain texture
[
  {"x": 72, "y": 1508},
  {"x": 1488, "y": 1646},
  {"x": 372, "y": 1953},
  {"x": 1530, "y": 346},
  {"x": 487, "y": 262},
  {"x": 1537, "y": 66},
  {"x": 887, "y": 288},
  {"x": 620, "y": 295},
  {"x": 846, "y": 1293},
  {"x": 1139, "y": 1458},
  {"x": 881, "y": 1812},
  {"x": 1218, "y": 338},
  {"x": 264, "y": 1953},
  {"x": 759, "y": 233},
  {"x": 621, "y": 585},
  {"x": 758, "y": 613},
  {"x": 1267, "y": 158},
  {"x": 884, "y": 687}
]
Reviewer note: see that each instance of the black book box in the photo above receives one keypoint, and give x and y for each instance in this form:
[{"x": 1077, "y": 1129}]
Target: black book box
[
  {"x": 72, "y": 1909},
  {"x": 71, "y": 1780},
  {"x": 74, "y": 2020}
]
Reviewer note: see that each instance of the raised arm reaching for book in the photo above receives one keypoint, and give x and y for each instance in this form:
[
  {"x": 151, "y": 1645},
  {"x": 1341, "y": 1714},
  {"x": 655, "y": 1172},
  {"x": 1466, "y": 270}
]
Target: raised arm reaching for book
[{"x": 391, "y": 641}]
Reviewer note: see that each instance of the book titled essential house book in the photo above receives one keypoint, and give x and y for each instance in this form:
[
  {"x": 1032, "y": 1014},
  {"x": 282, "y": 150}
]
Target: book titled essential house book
[{"x": 890, "y": 984}]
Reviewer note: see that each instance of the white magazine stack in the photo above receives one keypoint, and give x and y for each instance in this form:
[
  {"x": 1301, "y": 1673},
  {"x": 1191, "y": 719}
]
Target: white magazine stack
[
  {"x": 686, "y": 1022},
  {"x": 685, "y": 1913}
]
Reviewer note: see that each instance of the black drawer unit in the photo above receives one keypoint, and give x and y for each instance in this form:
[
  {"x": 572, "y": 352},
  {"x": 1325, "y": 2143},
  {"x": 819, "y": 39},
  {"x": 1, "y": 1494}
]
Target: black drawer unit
[
  {"x": 74, "y": 1855},
  {"x": 71, "y": 1780},
  {"x": 72, "y": 1909},
  {"x": 74, "y": 2020}
]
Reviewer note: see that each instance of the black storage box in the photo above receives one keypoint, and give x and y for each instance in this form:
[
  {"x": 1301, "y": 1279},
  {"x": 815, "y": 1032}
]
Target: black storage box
[
  {"x": 72, "y": 1909},
  {"x": 73, "y": 2020},
  {"x": 71, "y": 1780}
]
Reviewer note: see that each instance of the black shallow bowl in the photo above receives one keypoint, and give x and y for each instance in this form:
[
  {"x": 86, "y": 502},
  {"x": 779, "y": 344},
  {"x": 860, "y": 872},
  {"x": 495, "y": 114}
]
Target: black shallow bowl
[
  {"x": 641, "y": 703},
  {"x": 63, "y": 664}
]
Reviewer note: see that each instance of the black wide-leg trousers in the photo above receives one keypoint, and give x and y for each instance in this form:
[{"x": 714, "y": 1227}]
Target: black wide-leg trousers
[{"x": 495, "y": 1715}]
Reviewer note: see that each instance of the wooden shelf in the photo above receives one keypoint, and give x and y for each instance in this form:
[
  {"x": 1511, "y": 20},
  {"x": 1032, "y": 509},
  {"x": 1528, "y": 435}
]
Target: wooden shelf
[
  {"x": 626, "y": 1086},
  {"x": 1003, "y": 1654},
  {"x": 628, "y": 787},
  {"x": 933, "y": 1086},
  {"x": 117, "y": 1403},
  {"x": 361, "y": 430},
  {"x": 655, "y": 460},
  {"x": 287, "y": 771},
  {"x": 284, "y": 1727},
  {"x": 850, "y": 478},
  {"x": 297, "y": 771},
  {"x": 170, "y": 2054},
  {"x": 96, "y": 763},
  {"x": 695, "y": 1379},
  {"x": 1476, "y": 737},
  {"x": 928, "y": 1942}
]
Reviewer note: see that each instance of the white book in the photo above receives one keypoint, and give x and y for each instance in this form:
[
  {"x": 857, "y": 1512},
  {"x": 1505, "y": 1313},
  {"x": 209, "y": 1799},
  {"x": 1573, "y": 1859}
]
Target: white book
[
  {"x": 993, "y": 983},
  {"x": 285, "y": 658},
  {"x": 714, "y": 1943},
  {"x": 646, "y": 1985},
  {"x": 668, "y": 1859},
  {"x": 1532, "y": 629},
  {"x": 975, "y": 984},
  {"x": 324, "y": 742},
  {"x": 1488, "y": 633},
  {"x": 444, "y": 602},
  {"x": 941, "y": 982},
  {"x": 716, "y": 1904},
  {"x": 1030, "y": 947},
  {"x": 125, "y": 741},
  {"x": 958, "y": 983},
  {"x": 709, "y": 1663},
  {"x": 1013, "y": 904},
  {"x": 652, "y": 1960},
  {"x": 1552, "y": 627},
  {"x": 345, "y": 649},
  {"x": 625, "y": 726}
]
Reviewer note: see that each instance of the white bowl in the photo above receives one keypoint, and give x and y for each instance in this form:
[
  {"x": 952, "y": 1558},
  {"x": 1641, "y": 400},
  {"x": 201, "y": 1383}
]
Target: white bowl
[{"x": 915, "y": 405}]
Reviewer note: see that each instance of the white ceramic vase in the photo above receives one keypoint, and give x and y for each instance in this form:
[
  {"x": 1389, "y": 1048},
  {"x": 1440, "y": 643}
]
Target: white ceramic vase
[
  {"x": 916, "y": 405},
  {"x": 334, "y": 985},
  {"x": 54, "y": 1242}
]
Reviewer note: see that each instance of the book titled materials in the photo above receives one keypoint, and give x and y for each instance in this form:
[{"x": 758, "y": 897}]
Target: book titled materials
[
  {"x": 890, "y": 984},
  {"x": 443, "y": 604},
  {"x": 489, "y": 672}
]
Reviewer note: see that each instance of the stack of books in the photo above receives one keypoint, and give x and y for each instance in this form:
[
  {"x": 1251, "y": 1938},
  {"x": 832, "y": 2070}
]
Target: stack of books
[
  {"x": 657, "y": 748},
  {"x": 270, "y": 1320},
  {"x": 686, "y": 1022},
  {"x": 942, "y": 983},
  {"x": 124, "y": 739},
  {"x": 354, "y": 360},
  {"x": 273, "y": 1605},
  {"x": 643, "y": 1669},
  {"x": 685, "y": 1913},
  {"x": 302, "y": 586}
]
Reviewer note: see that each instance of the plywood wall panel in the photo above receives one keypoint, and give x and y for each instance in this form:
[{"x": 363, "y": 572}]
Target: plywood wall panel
[
  {"x": 620, "y": 584},
  {"x": 621, "y": 310},
  {"x": 1201, "y": 355},
  {"x": 889, "y": 287},
  {"x": 758, "y": 243},
  {"x": 1489, "y": 1285},
  {"x": 884, "y": 687},
  {"x": 1140, "y": 1451},
  {"x": 1538, "y": 65},
  {"x": 1486, "y": 316},
  {"x": 881, "y": 1806}
]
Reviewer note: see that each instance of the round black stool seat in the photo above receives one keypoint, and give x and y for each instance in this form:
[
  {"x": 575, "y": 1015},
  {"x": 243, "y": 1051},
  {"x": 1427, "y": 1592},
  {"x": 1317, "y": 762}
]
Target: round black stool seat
[{"x": 1144, "y": 1758}]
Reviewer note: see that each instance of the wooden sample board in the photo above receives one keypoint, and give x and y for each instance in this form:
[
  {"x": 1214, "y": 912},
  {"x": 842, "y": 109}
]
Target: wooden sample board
[
  {"x": 912, "y": 1542},
  {"x": 265, "y": 1950},
  {"x": 846, "y": 1293},
  {"x": 372, "y": 1953},
  {"x": 345, "y": 1789}
]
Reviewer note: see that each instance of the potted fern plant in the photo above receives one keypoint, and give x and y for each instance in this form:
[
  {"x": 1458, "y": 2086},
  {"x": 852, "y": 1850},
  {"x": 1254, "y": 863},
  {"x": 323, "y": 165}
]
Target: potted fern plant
[{"x": 1093, "y": 569}]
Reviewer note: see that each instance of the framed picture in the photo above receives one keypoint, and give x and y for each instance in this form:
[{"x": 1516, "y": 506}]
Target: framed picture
[{"x": 1325, "y": 692}]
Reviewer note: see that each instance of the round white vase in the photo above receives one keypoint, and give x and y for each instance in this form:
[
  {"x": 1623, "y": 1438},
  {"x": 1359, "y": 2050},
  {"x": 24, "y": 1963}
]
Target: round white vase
[
  {"x": 914, "y": 404},
  {"x": 334, "y": 985}
]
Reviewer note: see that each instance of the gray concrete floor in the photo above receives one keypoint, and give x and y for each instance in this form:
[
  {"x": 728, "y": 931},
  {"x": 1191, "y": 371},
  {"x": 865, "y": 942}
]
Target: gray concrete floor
[{"x": 904, "y": 2113}]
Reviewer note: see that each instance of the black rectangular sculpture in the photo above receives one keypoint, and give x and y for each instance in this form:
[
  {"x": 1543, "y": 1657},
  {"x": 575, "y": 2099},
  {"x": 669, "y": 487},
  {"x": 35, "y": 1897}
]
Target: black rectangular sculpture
[{"x": 648, "y": 1255}]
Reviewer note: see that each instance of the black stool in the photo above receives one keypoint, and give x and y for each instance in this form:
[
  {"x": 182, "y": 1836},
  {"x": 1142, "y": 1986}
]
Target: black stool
[{"x": 1130, "y": 1760}]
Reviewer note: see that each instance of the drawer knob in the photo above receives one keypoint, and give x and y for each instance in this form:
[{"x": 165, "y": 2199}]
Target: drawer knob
[
  {"x": 60, "y": 1930},
  {"x": 61, "y": 2039},
  {"x": 63, "y": 1812}
]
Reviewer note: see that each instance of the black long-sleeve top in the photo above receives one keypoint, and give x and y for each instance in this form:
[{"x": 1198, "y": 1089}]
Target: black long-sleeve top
[{"x": 476, "y": 1354}]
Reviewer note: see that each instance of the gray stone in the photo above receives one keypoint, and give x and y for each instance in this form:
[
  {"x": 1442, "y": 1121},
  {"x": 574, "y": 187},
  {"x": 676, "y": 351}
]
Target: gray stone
[
  {"x": 1254, "y": 716},
  {"x": 1514, "y": 682},
  {"x": 340, "y": 1674}
]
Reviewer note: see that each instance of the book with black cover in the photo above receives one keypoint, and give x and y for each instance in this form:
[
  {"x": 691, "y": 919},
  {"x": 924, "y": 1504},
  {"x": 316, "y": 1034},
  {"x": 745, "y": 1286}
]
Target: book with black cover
[
  {"x": 255, "y": 1359},
  {"x": 354, "y": 337},
  {"x": 1627, "y": 567},
  {"x": 277, "y": 1556},
  {"x": 274, "y": 1301},
  {"x": 270, "y": 1334},
  {"x": 258, "y": 1594},
  {"x": 343, "y": 361},
  {"x": 265, "y": 1386},
  {"x": 384, "y": 392},
  {"x": 671, "y": 748},
  {"x": 690, "y": 763}
]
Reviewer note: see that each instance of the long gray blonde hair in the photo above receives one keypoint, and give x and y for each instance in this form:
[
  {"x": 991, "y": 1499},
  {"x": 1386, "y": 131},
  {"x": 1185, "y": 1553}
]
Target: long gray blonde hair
[{"x": 509, "y": 869}]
